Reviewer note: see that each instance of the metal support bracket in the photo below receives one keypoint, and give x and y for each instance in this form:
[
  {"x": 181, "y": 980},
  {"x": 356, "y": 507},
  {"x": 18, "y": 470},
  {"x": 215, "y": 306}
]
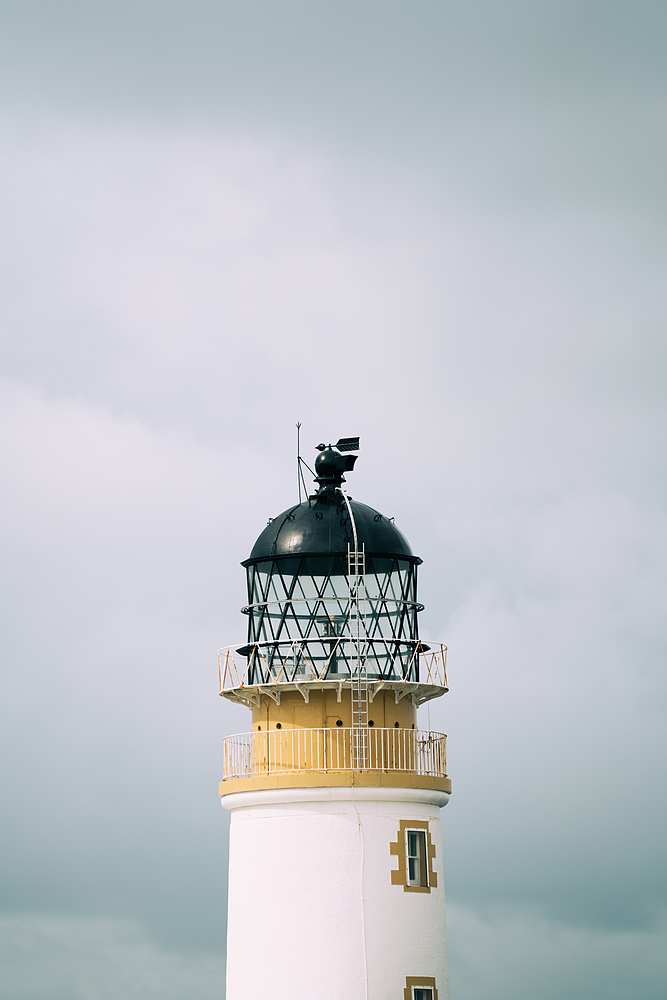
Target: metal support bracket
[
  {"x": 303, "y": 691},
  {"x": 271, "y": 693},
  {"x": 249, "y": 699},
  {"x": 373, "y": 690},
  {"x": 408, "y": 690}
]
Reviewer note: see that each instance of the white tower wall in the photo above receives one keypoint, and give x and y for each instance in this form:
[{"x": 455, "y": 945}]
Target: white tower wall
[{"x": 314, "y": 911}]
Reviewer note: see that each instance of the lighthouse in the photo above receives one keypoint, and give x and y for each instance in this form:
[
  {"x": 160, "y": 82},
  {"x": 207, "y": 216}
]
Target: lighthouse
[{"x": 336, "y": 876}]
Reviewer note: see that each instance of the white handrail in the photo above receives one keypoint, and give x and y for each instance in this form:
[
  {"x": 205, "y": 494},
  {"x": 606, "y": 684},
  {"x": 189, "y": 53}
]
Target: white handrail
[
  {"x": 234, "y": 667},
  {"x": 284, "y": 751}
]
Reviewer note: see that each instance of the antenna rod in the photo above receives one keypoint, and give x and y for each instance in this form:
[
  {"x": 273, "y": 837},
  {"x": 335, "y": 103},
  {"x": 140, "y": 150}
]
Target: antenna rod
[{"x": 298, "y": 458}]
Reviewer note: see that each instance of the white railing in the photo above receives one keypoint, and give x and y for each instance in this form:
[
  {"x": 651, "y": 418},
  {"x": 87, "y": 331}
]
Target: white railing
[
  {"x": 281, "y": 751},
  {"x": 285, "y": 662}
]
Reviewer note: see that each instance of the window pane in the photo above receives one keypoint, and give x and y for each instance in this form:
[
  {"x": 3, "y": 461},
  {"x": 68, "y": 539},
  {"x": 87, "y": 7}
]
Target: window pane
[{"x": 417, "y": 868}]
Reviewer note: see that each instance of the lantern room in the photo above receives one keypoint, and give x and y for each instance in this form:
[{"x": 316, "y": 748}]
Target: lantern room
[{"x": 332, "y": 595}]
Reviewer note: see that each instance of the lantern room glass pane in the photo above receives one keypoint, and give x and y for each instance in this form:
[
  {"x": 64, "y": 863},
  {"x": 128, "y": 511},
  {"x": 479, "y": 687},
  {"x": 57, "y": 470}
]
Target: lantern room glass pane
[{"x": 299, "y": 612}]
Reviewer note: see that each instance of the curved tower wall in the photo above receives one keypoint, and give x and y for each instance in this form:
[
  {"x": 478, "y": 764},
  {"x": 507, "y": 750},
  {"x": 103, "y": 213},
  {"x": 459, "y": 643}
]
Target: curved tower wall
[{"x": 313, "y": 909}]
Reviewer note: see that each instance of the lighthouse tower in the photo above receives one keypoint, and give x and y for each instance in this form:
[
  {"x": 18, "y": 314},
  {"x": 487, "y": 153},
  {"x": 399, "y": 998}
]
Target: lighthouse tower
[{"x": 335, "y": 858}]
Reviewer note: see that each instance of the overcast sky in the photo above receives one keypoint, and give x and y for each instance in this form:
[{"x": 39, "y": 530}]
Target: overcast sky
[{"x": 441, "y": 227}]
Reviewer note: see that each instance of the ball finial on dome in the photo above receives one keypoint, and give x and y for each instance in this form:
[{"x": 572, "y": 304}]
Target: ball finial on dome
[{"x": 330, "y": 466}]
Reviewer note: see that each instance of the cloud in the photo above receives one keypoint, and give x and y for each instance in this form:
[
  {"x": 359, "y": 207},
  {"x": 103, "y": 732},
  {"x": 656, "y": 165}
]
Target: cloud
[
  {"x": 520, "y": 105},
  {"x": 110, "y": 720},
  {"x": 513, "y": 952},
  {"x": 175, "y": 299},
  {"x": 556, "y": 718},
  {"x": 67, "y": 958}
]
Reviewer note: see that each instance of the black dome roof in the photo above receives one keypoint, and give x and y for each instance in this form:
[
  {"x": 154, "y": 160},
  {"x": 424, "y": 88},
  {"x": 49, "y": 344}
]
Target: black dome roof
[{"x": 321, "y": 526}]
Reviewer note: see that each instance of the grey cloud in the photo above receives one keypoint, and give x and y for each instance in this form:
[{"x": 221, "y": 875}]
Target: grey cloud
[
  {"x": 385, "y": 53},
  {"x": 516, "y": 103},
  {"x": 175, "y": 297},
  {"x": 516, "y": 952},
  {"x": 55, "y": 958}
]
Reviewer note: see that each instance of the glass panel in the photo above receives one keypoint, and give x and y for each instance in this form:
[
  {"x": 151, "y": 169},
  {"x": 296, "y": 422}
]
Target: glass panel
[
  {"x": 422, "y": 993},
  {"x": 305, "y": 601},
  {"x": 416, "y": 856}
]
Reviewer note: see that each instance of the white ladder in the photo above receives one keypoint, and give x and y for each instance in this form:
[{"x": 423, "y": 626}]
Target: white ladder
[
  {"x": 356, "y": 579},
  {"x": 356, "y": 575}
]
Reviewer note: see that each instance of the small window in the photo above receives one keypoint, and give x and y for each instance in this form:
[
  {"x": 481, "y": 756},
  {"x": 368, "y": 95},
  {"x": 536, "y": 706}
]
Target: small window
[
  {"x": 420, "y": 988},
  {"x": 415, "y": 873},
  {"x": 417, "y": 868}
]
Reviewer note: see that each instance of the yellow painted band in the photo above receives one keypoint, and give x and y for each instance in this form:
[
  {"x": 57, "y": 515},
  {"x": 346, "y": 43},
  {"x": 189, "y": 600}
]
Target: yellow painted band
[{"x": 335, "y": 779}]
